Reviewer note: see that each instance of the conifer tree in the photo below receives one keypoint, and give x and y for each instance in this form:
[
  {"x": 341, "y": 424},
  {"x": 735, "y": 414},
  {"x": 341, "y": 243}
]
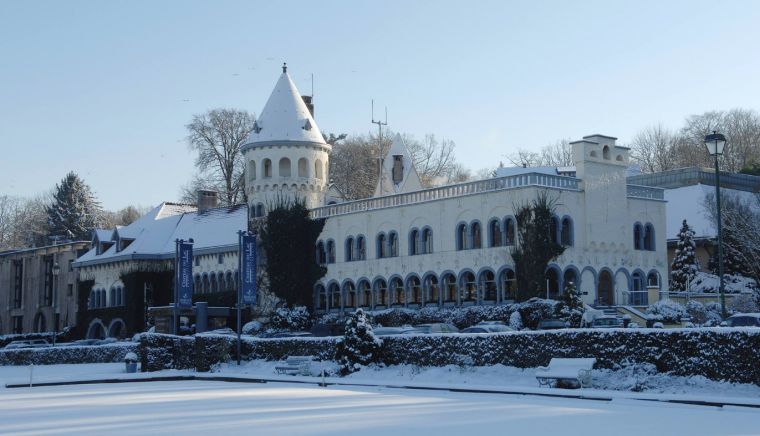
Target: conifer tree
[
  {"x": 685, "y": 265},
  {"x": 74, "y": 212},
  {"x": 734, "y": 263},
  {"x": 359, "y": 346}
]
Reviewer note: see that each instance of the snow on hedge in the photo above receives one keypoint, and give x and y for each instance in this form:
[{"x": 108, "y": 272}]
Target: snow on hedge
[{"x": 111, "y": 353}]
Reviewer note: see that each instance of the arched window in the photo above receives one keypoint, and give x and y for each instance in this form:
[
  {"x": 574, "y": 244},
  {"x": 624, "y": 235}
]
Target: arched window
[
  {"x": 637, "y": 236},
  {"x": 335, "y": 297},
  {"x": 321, "y": 255},
  {"x": 477, "y": 238},
  {"x": 381, "y": 292},
  {"x": 606, "y": 152},
  {"x": 330, "y": 252},
  {"x": 462, "y": 242},
  {"x": 469, "y": 287},
  {"x": 39, "y": 323},
  {"x": 303, "y": 167},
  {"x": 414, "y": 243},
  {"x": 119, "y": 296},
  {"x": 508, "y": 284},
  {"x": 350, "y": 250},
  {"x": 214, "y": 283},
  {"x": 197, "y": 285},
  {"x": 552, "y": 283},
  {"x": 251, "y": 170},
  {"x": 267, "y": 168},
  {"x": 398, "y": 293},
  {"x": 566, "y": 234},
  {"x": 91, "y": 304},
  {"x": 653, "y": 280},
  {"x": 382, "y": 246},
  {"x": 638, "y": 294},
  {"x": 230, "y": 282},
  {"x": 223, "y": 283},
  {"x": 112, "y": 301},
  {"x": 349, "y": 295},
  {"x": 450, "y": 288},
  {"x": 365, "y": 294},
  {"x": 570, "y": 278},
  {"x": 361, "y": 245},
  {"x": 509, "y": 230},
  {"x": 318, "y": 169},
  {"x": 432, "y": 290},
  {"x": 321, "y": 297},
  {"x": 236, "y": 279},
  {"x": 415, "y": 290},
  {"x": 427, "y": 240},
  {"x": 649, "y": 237},
  {"x": 253, "y": 211},
  {"x": 393, "y": 243},
  {"x": 103, "y": 298},
  {"x": 284, "y": 170},
  {"x": 488, "y": 286},
  {"x": 494, "y": 230},
  {"x": 206, "y": 284},
  {"x": 604, "y": 291},
  {"x": 553, "y": 229}
]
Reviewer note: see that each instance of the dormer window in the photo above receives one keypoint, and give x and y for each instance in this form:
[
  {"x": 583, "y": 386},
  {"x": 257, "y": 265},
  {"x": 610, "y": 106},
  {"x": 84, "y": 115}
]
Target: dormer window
[
  {"x": 307, "y": 125},
  {"x": 398, "y": 168},
  {"x": 257, "y": 126}
]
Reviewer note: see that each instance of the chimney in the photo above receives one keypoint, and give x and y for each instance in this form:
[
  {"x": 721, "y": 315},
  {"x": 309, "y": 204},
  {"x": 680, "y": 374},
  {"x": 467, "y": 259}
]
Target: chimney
[
  {"x": 207, "y": 199},
  {"x": 309, "y": 101}
]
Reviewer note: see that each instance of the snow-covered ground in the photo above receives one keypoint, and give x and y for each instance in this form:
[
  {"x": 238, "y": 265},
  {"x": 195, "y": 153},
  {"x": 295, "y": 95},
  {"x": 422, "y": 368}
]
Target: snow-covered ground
[{"x": 212, "y": 407}]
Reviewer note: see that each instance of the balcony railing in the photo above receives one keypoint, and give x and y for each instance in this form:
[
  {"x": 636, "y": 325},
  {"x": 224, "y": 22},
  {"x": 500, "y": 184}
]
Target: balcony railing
[
  {"x": 638, "y": 191},
  {"x": 635, "y": 298},
  {"x": 449, "y": 191}
]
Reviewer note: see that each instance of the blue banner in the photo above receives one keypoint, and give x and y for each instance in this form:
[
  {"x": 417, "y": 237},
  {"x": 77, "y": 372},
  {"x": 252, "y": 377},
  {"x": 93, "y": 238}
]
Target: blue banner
[
  {"x": 185, "y": 268},
  {"x": 248, "y": 263}
]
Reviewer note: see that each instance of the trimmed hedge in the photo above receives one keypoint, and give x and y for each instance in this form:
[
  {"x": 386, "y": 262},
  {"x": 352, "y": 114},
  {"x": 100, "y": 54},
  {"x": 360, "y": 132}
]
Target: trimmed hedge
[
  {"x": 62, "y": 336},
  {"x": 67, "y": 355},
  {"x": 159, "y": 352}
]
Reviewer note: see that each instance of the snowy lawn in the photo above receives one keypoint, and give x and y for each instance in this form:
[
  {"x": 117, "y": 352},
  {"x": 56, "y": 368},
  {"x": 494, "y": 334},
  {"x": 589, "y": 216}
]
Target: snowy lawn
[{"x": 210, "y": 407}]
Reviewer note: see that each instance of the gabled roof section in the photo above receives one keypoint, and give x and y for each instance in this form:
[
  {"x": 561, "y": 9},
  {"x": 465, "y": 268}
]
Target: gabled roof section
[
  {"x": 285, "y": 119},
  {"x": 410, "y": 180}
]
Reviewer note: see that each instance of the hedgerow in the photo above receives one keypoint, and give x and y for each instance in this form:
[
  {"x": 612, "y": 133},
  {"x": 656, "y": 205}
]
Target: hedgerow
[{"x": 67, "y": 355}]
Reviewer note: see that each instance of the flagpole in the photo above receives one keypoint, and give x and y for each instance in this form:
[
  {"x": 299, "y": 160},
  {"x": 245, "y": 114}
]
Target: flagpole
[{"x": 240, "y": 290}]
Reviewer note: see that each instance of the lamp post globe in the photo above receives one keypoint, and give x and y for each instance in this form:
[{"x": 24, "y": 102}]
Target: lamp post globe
[{"x": 715, "y": 144}]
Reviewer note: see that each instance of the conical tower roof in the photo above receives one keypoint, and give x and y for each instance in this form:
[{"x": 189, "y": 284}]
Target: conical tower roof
[{"x": 285, "y": 119}]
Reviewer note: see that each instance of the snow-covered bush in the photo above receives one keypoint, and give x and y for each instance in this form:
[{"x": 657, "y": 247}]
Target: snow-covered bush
[
  {"x": 359, "y": 346},
  {"x": 285, "y": 319},
  {"x": 167, "y": 351},
  {"x": 515, "y": 321},
  {"x": 130, "y": 358},
  {"x": 715, "y": 311},
  {"x": 668, "y": 311},
  {"x": 252, "y": 328},
  {"x": 732, "y": 284},
  {"x": 658, "y": 325},
  {"x": 62, "y": 336},
  {"x": 67, "y": 355},
  {"x": 743, "y": 304}
]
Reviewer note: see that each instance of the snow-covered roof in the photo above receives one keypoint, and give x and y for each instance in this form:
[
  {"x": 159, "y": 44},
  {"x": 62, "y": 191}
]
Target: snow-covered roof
[
  {"x": 155, "y": 232},
  {"x": 516, "y": 171},
  {"x": 285, "y": 118}
]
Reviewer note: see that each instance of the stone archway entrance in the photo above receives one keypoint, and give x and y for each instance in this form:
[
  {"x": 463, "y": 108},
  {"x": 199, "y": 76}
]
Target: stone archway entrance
[
  {"x": 605, "y": 292},
  {"x": 117, "y": 329},
  {"x": 96, "y": 331}
]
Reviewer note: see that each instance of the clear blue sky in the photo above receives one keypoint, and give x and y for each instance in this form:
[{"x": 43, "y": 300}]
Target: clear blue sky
[{"x": 98, "y": 87}]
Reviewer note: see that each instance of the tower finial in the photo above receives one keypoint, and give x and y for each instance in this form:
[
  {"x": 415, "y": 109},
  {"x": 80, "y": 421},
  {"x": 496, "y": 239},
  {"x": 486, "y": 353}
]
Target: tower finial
[{"x": 284, "y": 67}]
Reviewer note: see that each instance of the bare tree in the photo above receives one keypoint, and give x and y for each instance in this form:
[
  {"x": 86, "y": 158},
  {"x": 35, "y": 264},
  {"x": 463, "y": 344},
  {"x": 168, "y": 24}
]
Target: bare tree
[
  {"x": 217, "y": 136},
  {"x": 123, "y": 217},
  {"x": 742, "y": 130},
  {"x": 654, "y": 148},
  {"x": 23, "y": 221},
  {"x": 558, "y": 154},
  {"x": 741, "y": 219},
  {"x": 434, "y": 160}
]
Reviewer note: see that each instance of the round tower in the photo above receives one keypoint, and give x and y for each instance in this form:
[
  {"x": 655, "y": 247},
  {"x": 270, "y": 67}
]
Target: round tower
[{"x": 286, "y": 154}]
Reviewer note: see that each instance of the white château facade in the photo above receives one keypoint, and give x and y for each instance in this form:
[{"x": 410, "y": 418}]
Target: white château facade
[{"x": 450, "y": 245}]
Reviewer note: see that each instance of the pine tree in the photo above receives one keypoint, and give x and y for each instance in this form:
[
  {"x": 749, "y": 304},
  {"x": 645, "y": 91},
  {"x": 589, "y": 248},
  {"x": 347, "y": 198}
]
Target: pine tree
[
  {"x": 74, "y": 211},
  {"x": 685, "y": 265},
  {"x": 359, "y": 346},
  {"x": 734, "y": 263}
]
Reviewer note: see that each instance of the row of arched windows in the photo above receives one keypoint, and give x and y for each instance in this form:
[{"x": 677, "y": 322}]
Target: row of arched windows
[
  {"x": 561, "y": 231},
  {"x": 284, "y": 170},
  {"x": 215, "y": 282},
  {"x": 258, "y": 210},
  {"x": 98, "y": 298},
  {"x": 643, "y": 237}
]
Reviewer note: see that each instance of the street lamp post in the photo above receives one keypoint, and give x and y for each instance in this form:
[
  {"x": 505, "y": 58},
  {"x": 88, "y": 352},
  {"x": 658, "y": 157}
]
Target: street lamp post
[
  {"x": 56, "y": 271},
  {"x": 715, "y": 144}
]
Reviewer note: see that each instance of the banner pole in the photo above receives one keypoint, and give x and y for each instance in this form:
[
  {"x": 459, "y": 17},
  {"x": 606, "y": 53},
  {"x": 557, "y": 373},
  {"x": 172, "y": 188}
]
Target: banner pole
[
  {"x": 240, "y": 291},
  {"x": 176, "y": 284}
]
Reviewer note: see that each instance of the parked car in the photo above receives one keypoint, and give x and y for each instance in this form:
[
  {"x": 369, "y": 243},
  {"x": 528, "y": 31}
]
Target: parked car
[
  {"x": 322, "y": 330},
  {"x": 223, "y": 331},
  {"x": 436, "y": 328},
  {"x": 606, "y": 322},
  {"x": 40, "y": 343},
  {"x": 744, "y": 320},
  {"x": 292, "y": 335},
  {"x": 551, "y": 324},
  {"x": 265, "y": 335},
  {"x": 82, "y": 343},
  {"x": 388, "y": 331},
  {"x": 15, "y": 345},
  {"x": 492, "y": 323},
  {"x": 488, "y": 328}
]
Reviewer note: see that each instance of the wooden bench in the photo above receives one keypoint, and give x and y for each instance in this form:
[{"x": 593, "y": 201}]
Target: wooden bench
[
  {"x": 300, "y": 364},
  {"x": 566, "y": 369}
]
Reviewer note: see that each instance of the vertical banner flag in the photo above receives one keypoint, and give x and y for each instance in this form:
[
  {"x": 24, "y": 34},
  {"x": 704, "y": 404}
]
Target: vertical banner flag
[
  {"x": 185, "y": 266},
  {"x": 249, "y": 270}
]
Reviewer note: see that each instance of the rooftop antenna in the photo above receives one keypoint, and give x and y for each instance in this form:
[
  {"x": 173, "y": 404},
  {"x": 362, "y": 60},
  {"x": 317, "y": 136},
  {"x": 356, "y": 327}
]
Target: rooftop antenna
[
  {"x": 312, "y": 85},
  {"x": 380, "y": 125}
]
